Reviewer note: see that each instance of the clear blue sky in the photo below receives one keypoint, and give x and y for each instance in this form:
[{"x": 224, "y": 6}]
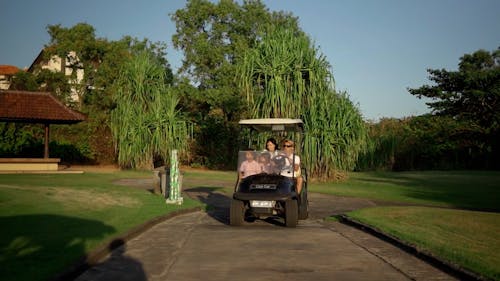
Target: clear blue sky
[{"x": 377, "y": 48}]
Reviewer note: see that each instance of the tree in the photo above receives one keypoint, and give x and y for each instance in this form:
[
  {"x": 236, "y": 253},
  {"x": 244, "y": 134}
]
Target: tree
[
  {"x": 285, "y": 76},
  {"x": 146, "y": 123},
  {"x": 24, "y": 81},
  {"x": 470, "y": 95},
  {"x": 101, "y": 60},
  {"x": 213, "y": 37}
]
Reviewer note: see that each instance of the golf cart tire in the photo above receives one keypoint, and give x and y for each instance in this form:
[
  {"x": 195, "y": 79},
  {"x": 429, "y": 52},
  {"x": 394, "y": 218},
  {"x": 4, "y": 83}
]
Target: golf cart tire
[
  {"x": 237, "y": 213},
  {"x": 291, "y": 213},
  {"x": 303, "y": 208}
]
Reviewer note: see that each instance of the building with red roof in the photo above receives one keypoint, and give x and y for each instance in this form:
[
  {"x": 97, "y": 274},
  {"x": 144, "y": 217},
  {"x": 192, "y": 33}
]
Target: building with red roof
[{"x": 6, "y": 73}]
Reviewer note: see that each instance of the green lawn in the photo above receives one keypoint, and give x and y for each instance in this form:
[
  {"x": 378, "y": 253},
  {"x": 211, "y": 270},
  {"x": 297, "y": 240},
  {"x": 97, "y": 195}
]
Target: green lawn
[
  {"x": 454, "y": 233},
  {"x": 466, "y": 238},
  {"x": 48, "y": 221},
  {"x": 478, "y": 190}
]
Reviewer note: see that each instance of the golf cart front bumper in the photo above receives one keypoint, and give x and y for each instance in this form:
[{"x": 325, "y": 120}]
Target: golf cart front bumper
[{"x": 243, "y": 196}]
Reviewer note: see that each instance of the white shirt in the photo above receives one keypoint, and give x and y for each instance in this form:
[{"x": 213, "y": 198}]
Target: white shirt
[{"x": 288, "y": 169}]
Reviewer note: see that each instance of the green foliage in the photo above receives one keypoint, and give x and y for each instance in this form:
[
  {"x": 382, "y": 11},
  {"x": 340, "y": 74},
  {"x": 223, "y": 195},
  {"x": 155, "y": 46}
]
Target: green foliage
[
  {"x": 218, "y": 152},
  {"x": 55, "y": 83},
  {"x": 284, "y": 76},
  {"x": 213, "y": 37},
  {"x": 470, "y": 95},
  {"x": 101, "y": 61},
  {"x": 24, "y": 81},
  {"x": 20, "y": 140},
  {"x": 426, "y": 142},
  {"x": 145, "y": 123},
  {"x": 383, "y": 140},
  {"x": 464, "y": 131}
]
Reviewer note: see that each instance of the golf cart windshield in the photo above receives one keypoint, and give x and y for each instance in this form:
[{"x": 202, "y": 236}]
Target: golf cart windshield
[
  {"x": 262, "y": 162},
  {"x": 254, "y": 159}
]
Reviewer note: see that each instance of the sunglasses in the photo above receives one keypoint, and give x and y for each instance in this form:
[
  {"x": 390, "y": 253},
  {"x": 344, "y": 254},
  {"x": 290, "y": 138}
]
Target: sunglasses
[{"x": 288, "y": 145}]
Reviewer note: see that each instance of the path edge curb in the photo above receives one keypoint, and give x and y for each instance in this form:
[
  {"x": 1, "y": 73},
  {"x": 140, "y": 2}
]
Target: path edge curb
[
  {"x": 93, "y": 257},
  {"x": 450, "y": 268}
]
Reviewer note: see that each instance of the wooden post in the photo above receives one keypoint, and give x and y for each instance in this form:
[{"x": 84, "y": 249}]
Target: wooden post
[{"x": 46, "y": 150}]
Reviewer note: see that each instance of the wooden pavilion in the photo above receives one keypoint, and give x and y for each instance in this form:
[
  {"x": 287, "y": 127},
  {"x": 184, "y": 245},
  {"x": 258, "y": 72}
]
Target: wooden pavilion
[{"x": 35, "y": 107}]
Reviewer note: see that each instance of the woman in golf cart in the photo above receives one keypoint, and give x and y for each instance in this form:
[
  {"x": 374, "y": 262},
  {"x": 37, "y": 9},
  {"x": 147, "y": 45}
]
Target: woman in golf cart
[
  {"x": 272, "y": 147},
  {"x": 292, "y": 167}
]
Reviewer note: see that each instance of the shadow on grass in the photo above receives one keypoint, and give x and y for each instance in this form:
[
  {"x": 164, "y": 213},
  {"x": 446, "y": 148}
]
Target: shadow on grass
[
  {"x": 472, "y": 190},
  {"x": 37, "y": 247}
]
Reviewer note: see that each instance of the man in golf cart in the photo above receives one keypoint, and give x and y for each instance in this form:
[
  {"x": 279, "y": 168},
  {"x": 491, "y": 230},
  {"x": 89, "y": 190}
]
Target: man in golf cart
[{"x": 292, "y": 166}]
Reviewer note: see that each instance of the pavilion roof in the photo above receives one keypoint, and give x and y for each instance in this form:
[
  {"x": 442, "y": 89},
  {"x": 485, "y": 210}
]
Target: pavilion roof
[{"x": 36, "y": 107}]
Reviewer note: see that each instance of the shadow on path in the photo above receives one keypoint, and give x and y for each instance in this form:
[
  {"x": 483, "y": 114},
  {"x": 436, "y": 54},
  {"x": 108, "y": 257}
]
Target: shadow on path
[
  {"x": 117, "y": 266},
  {"x": 218, "y": 204}
]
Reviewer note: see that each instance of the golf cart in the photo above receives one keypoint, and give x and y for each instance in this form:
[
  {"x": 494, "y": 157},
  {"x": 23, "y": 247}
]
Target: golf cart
[{"x": 271, "y": 192}]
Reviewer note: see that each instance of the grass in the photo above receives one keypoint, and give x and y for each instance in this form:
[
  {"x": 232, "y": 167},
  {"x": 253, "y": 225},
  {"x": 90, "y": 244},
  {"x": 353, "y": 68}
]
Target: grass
[
  {"x": 466, "y": 238},
  {"x": 461, "y": 235},
  {"x": 221, "y": 181},
  {"x": 49, "y": 221},
  {"x": 477, "y": 190}
]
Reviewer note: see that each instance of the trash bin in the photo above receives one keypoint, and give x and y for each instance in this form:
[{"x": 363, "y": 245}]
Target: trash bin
[{"x": 161, "y": 176}]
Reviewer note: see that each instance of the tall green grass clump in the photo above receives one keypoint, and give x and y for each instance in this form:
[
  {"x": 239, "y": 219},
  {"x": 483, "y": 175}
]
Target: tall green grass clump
[
  {"x": 286, "y": 77},
  {"x": 146, "y": 124}
]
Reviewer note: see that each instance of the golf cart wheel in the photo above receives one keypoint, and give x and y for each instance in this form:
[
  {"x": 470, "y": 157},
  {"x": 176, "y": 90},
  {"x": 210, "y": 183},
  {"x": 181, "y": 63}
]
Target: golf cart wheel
[
  {"x": 304, "y": 207},
  {"x": 237, "y": 213},
  {"x": 291, "y": 213}
]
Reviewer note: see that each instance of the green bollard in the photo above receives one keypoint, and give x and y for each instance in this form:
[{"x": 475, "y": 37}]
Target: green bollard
[{"x": 174, "y": 192}]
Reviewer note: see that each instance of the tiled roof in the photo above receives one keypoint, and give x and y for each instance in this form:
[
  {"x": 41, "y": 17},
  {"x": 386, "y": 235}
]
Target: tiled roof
[
  {"x": 8, "y": 70},
  {"x": 35, "y": 107}
]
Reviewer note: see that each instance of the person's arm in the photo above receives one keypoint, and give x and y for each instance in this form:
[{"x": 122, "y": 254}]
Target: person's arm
[
  {"x": 296, "y": 163},
  {"x": 242, "y": 169}
]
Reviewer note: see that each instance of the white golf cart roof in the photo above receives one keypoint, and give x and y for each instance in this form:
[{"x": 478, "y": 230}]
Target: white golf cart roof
[{"x": 274, "y": 124}]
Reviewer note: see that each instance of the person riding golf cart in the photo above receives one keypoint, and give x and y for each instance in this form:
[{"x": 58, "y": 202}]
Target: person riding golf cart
[{"x": 270, "y": 184}]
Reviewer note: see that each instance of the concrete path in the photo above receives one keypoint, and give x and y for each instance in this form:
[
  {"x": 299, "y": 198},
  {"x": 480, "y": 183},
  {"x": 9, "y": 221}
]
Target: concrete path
[{"x": 201, "y": 246}]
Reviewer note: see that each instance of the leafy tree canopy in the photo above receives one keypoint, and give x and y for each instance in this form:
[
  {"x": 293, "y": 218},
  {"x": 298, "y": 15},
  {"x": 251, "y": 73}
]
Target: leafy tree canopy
[
  {"x": 213, "y": 37},
  {"x": 471, "y": 93},
  {"x": 100, "y": 58}
]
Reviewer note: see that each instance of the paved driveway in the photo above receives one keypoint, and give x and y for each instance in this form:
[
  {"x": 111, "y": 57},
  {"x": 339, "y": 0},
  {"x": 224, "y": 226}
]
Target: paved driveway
[{"x": 202, "y": 246}]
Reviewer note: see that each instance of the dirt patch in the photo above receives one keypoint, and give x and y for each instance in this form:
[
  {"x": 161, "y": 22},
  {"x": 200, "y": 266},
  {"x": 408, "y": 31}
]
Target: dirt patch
[
  {"x": 324, "y": 205},
  {"x": 146, "y": 184},
  {"x": 90, "y": 199},
  {"x": 71, "y": 197}
]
